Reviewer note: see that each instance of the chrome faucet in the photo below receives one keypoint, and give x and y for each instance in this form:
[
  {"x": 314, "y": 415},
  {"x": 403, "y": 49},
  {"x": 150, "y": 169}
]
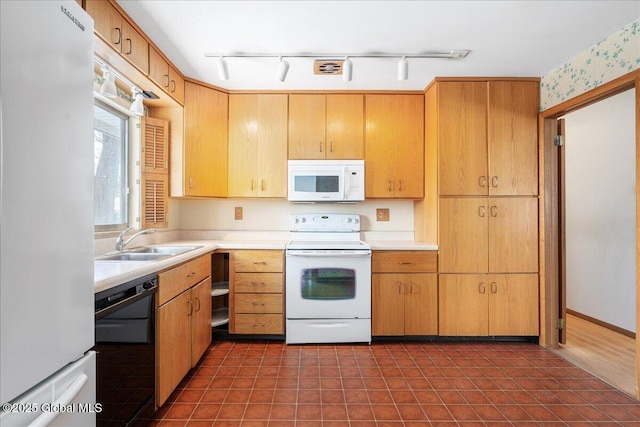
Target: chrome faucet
[{"x": 121, "y": 243}]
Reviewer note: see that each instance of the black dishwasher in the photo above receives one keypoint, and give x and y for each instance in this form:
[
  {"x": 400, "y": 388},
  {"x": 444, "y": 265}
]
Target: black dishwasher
[{"x": 125, "y": 346}]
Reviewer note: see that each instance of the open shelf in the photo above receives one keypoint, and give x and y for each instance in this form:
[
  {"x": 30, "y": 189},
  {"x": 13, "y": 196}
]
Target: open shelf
[
  {"x": 220, "y": 288},
  {"x": 219, "y": 316}
]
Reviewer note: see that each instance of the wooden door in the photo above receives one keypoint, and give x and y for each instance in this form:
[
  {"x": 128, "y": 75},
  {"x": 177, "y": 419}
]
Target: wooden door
[
  {"x": 462, "y": 305},
  {"x": 107, "y": 22},
  {"x": 513, "y": 304},
  {"x": 408, "y": 142},
  {"x": 176, "y": 84},
  {"x": 243, "y": 145},
  {"x": 272, "y": 145},
  {"x": 513, "y": 235},
  {"x": 200, "y": 319},
  {"x": 135, "y": 47},
  {"x": 155, "y": 200},
  {"x": 345, "y": 127},
  {"x": 463, "y": 235},
  {"x": 158, "y": 69},
  {"x": 205, "y": 145},
  {"x": 173, "y": 345},
  {"x": 307, "y": 122},
  {"x": 462, "y": 126},
  {"x": 513, "y": 138},
  {"x": 387, "y": 304},
  {"x": 421, "y": 304}
]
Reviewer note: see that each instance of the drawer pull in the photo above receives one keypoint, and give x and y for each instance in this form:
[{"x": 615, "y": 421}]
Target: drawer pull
[
  {"x": 192, "y": 274},
  {"x": 258, "y": 325},
  {"x": 257, "y": 283},
  {"x": 406, "y": 263},
  {"x": 255, "y": 303},
  {"x": 260, "y": 263}
]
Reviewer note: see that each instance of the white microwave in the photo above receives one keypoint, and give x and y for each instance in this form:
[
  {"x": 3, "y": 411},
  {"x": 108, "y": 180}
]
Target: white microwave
[{"x": 326, "y": 181}]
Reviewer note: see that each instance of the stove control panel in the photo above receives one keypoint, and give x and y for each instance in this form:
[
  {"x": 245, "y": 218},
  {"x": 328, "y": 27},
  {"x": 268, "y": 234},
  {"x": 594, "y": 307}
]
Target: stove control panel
[{"x": 330, "y": 223}]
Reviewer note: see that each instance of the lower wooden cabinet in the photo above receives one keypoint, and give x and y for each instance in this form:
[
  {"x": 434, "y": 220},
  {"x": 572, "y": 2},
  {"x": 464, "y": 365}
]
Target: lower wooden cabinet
[
  {"x": 404, "y": 295},
  {"x": 488, "y": 305},
  {"x": 256, "y": 285},
  {"x": 183, "y": 322}
]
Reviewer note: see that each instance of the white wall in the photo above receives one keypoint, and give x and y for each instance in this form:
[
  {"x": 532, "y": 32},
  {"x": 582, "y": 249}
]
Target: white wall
[
  {"x": 273, "y": 214},
  {"x": 600, "y": 199}
]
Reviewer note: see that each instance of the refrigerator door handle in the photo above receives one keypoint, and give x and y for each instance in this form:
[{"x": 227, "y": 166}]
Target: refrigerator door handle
[{"x": 66, "y": 398}]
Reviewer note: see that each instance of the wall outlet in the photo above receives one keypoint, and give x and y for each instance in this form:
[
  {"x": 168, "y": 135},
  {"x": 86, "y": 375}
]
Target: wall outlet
[
  {"x": 237, "y": 214},
  {"x": 382, "y": 214}
]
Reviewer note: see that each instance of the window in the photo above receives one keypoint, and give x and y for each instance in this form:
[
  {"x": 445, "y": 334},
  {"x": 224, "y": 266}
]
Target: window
[{"x": 110, "y": 166}]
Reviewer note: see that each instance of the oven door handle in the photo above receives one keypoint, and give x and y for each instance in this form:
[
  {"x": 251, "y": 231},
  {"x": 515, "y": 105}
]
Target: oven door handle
[{"x": 330, "y": 255}]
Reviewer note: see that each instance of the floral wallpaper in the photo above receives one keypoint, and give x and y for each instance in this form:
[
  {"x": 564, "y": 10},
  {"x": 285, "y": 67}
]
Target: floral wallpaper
[{"x": 613, "y": 57}]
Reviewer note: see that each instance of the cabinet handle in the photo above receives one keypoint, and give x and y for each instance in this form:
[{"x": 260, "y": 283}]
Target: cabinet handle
[
  {"x": 119, "y": 40},
  {"x": 320, "y": 145},
  {"x": 255, "y": 303},
  {"x": 390, "y": 186},
  {"x": 130, "y": 47},
  {"x": 198, "y": 304},
  {"x": 190, "y": 307},
  {"x": 482, "y": 288},
  {"x": 410, "y": 287},
  {"x": 494, "y": 211},
  {"x": 167, "y": 85},
  {"x": 251, "y": 185},
  {"x": 494, "y": 287},
  {"x": 263, "y": 186},
  {"x": 190, "y": 182},
  {"x": 482, "y": 211},
  {"x": 260, "y": 263},
  {"x": 258, "y": 325},
  {"x": 174, "y": 85},
  {"x": 494, "y": 181},
  {"x": 193, "y": 273},
  {"x": 405, "y": 263},
  {"x": 399, "y": 287},
  {"x": 257, "y": 283},
  {"x": 400, "y": 187},
  {"x": 482, "y": 181},
  {"x": 331, "y": 145}
]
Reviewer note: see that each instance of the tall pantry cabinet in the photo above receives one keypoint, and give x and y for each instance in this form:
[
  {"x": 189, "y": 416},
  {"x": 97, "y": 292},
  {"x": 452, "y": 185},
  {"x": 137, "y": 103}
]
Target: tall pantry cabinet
[{"x": 481, "y": 141}]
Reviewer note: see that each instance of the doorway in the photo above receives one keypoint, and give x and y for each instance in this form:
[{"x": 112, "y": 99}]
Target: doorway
[{"x": 551, "y": 248}]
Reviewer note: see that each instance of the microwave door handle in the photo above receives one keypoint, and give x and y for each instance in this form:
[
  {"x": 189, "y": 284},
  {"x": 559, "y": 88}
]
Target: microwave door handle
[{"x": 344, "y": 183}]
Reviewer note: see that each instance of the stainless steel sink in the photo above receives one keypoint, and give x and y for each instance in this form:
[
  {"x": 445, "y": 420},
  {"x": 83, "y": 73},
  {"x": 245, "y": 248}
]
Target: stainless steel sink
[
  {"x": 170, "y": 250},
  {"x": 130, "y": 256}
]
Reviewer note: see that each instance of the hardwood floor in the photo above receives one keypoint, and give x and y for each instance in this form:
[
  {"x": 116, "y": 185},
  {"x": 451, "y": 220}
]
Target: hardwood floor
[{"x": 606, "y": 354}]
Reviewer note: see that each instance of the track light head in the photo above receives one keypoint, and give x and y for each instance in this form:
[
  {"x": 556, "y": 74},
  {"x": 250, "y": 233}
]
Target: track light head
[
  {"x": 223, "y": 71},
  {"x": 137, "y": 107},
  {"x": 403, "y": 69},
  {"x": 283, "y": 69},
  {"x": 347, "y": 69},
  {"x": 108, "y": 87}
]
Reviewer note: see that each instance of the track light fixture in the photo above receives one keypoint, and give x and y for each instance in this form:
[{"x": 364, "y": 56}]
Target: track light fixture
[
  {"x": 108, "y": 87},
  {"x": 137, "y": 107},
  {"x": 403, "y": 69},
  {"x": 347, "y": 73},
  {"x": 223, "y": 71},
  {"x": 283, "y": 69},
  {"x": 347, "y": 69}
]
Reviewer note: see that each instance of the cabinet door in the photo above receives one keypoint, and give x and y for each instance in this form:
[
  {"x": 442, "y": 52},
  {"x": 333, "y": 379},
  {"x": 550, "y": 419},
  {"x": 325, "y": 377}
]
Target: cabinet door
[
  {"x": 513, "y": 138},
  {"x": 272, "y": 146},
  {"x": 307, "y": 126},
  {"x": 513, "y": 234},
  {"x": 421, "y": 304},
  {"x": 394, "y": 146},
  {"x": 200, "y": 319},
  {"x": 173, "y": 345},
  {"x": 158, "y": 69},
  {"x": 463, "y": 306},
  {"x": 387, "y": 304},
  {"x": 463, "y": 235},
  {"x": 345, "y": 127},
  {"x": 205, "y": 145},
  {"x": 176, "y": 85},
  {"x": 134, "y": 47},
  {"x": 462, "y": 126},
  {"x": 243, "y": 145},
  {"x": 107, "y": 22},
  {"x": 513, "y": 304}
]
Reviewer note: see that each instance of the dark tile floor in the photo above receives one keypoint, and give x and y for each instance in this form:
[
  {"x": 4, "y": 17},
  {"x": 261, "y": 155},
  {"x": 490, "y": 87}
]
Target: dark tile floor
[{"x": 258, "y": 383}]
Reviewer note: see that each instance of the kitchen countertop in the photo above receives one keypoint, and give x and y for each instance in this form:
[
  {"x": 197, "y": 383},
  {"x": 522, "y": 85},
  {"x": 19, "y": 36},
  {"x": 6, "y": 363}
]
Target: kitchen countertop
[{"x": 108, "y": 274}]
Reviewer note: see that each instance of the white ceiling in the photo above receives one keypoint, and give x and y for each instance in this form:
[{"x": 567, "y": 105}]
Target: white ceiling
[{"x": 506, "y": 38}]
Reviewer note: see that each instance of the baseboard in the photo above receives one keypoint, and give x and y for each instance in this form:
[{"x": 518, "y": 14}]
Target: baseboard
[{"x": 606, "y": 325}]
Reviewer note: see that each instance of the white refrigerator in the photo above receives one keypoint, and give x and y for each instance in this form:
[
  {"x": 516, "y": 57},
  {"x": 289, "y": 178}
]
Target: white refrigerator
[{"x": 47, "y": 371}]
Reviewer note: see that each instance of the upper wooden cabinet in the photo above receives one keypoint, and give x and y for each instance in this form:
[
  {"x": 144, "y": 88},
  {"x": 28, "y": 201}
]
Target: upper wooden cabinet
[
  {"x": 161, "y": 72},
  {"x": 118, "y": 33},
  {"x": 394, "y": 160},
  {"x": 257, "y": 145},
  {"x": 487, "y": 137},
  {"x": 205, "y": 141},
  {"x": 326, "y": 126}
]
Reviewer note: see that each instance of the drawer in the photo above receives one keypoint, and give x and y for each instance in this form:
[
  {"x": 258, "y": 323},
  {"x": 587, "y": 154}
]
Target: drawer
[
  {"x": 178, "y": 279},
  {"x": 404, "y": 262},
  {"x": 258, "y": 303},
  {"x": 270, "y": 283},
  {"x": 259, "y": 324},
  {"x": 258, "y": 261}
]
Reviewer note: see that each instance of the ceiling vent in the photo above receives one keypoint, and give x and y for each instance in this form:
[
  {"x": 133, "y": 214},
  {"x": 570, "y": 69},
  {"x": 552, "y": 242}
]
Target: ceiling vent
[{"x": 329, "y": 67}]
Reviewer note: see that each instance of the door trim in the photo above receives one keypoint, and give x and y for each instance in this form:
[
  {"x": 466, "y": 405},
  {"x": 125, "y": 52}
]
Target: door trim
[{"x": 549, "y": 208}]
